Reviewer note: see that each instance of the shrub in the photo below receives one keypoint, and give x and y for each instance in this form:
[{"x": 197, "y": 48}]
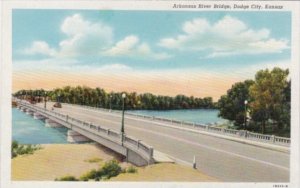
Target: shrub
[
  {"x": 111, "y": 169},
  {"x": 93, "y": 174},
  {"x": 99, "y": 173},
  {"x": 20, "y": 149},
  {"x": 66, "y": 178},
  {"x": 108, "y": 170},
  {"x": 131, "y": 169},
  {"x": 14, "y": 144}
]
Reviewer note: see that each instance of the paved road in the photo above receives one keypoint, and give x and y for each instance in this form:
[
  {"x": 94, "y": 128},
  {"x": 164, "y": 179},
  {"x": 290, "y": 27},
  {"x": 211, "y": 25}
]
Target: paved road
[{"x": 224, "y": 159}]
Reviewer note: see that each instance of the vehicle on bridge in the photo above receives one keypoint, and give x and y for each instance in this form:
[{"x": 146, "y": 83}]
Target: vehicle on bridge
[{"x": 57, "y": 105}]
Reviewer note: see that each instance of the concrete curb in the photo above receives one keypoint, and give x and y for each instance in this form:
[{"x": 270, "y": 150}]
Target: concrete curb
[
  {"x": 160, "y": 157},
  {"x": 173, "y": 159}
]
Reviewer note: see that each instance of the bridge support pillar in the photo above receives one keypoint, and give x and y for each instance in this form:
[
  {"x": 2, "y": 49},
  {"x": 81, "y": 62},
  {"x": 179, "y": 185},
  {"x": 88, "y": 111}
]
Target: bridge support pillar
[
  {"x": 51, "y": 123},
  {"x": 136, "y": 159},
  {"x": 75, "y": 137},
  {"x": 38, "y": 116},
  {"x": 29, "y": 112},
  {"x": 23, "y": 109}
]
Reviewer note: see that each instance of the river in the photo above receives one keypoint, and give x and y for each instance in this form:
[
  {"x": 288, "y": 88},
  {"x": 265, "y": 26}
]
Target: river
[{"x": 27, "y": 130}]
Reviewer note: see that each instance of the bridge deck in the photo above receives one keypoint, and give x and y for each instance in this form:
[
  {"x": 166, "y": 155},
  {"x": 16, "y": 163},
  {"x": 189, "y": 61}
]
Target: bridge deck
[{"x": 224, "y": 159}]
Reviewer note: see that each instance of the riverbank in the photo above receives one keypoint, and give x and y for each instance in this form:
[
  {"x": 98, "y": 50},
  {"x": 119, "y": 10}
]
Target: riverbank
[{"x": 58, "y": 160}]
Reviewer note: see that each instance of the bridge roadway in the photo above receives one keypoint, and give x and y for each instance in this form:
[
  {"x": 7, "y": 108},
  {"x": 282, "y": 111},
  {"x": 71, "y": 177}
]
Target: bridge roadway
[{"x": 226, "y": 160}]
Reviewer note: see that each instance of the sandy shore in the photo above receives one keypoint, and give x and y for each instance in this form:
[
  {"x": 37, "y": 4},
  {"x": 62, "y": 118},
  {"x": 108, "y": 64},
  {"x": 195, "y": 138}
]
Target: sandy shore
[{"x": 57, "y": 160}]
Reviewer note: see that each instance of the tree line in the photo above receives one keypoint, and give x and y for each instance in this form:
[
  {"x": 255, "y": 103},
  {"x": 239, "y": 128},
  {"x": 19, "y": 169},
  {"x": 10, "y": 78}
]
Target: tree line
[
  {"x": 260, "y": 105},
  {"x": 98, "y": 97}
]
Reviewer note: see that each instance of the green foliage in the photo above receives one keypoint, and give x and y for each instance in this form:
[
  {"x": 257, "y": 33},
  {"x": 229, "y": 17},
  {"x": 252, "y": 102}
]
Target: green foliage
[
  {"x": 32, "y": 95},
  {"x": 20, "y": 149},
  {"x": 67, "y": 178},
  {"x": 108, "y": 170},
  {"x": 93, "y": 174},
  {"x": 232, "y": 105},
  {"x": 131, "y": 169},
  {"x": 271, "y": 98},
  {"x": 269, "y": 102},
  {"x": 111, "y": 169},
  {"x": 100, "y": 98}
]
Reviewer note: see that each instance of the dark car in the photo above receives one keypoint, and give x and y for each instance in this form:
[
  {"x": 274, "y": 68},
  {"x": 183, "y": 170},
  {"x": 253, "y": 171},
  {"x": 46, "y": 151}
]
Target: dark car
[{"x": 57, "y": 105}]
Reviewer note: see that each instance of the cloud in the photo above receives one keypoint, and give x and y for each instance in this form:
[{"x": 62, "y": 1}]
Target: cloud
[
  {"x": 84, "y": 37},
  {"x": 123, "y": 47},
  {"x": 228, "y": 36},
  {"x": 131, "y": 46},
  {"x": 40, "y": 47}
]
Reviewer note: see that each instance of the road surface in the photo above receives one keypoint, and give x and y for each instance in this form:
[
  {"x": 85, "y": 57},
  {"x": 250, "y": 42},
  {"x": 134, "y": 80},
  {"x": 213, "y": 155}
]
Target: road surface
[{"x": 223, "y": 159}]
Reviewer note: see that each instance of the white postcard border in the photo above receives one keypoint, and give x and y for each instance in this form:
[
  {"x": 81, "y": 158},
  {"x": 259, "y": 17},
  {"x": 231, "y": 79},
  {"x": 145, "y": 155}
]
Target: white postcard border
[{"x": 6, "y": 84}]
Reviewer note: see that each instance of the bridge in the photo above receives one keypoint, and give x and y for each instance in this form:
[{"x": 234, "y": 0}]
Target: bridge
[
  {"x": 134, "y": 150},
  {"x": 228, "y": 155}
]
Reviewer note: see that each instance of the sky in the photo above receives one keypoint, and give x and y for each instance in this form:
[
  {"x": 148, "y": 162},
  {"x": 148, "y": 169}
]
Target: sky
[{"x": 162, "y": 52}]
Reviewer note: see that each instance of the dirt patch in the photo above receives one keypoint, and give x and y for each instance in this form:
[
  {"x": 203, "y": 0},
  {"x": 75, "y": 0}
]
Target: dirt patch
[
  {"x": 165, "y": 172},
  {"x": 56, "y": 160}
]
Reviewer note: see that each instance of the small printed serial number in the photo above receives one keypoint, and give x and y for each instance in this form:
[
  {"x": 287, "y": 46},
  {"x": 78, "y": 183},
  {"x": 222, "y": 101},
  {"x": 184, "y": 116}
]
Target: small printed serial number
[{"x": 280, "y": 186}]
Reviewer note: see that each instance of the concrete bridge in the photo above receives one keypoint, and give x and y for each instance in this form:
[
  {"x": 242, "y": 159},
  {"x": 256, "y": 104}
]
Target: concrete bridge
[
  {"x": 135, "y": 151},
  {"x": 228, "y": 156}
]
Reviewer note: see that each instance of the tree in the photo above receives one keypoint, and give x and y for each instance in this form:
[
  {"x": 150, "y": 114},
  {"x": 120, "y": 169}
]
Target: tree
[
  {"x": 270, "y": 96},
  {"x": 286, "y": 115},
  {"x": 232, "y": 105}
]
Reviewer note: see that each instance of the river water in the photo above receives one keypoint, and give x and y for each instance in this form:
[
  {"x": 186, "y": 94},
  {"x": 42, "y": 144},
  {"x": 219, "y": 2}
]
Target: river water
[
  {"x": 204, "y": 116},
  {"x": 27, "y": 130}
]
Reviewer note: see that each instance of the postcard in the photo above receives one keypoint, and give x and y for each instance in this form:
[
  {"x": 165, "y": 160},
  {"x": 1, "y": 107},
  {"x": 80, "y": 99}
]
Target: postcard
[{"x": 150, "y": 93}]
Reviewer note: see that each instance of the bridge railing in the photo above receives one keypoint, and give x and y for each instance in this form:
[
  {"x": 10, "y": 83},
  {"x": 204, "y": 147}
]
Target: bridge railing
[
  {"x": 228, "y": 132},
  {"x": 278, "y": 139},
  {"x": 231, "y": 132},
  {"x": 134, "y": 144},
  {"x": 204, "y": 127}
]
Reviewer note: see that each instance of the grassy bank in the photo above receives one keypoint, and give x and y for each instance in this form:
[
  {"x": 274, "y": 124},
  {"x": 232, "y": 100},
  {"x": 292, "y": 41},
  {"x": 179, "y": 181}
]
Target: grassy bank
[{"x": 61, "y": 160}]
